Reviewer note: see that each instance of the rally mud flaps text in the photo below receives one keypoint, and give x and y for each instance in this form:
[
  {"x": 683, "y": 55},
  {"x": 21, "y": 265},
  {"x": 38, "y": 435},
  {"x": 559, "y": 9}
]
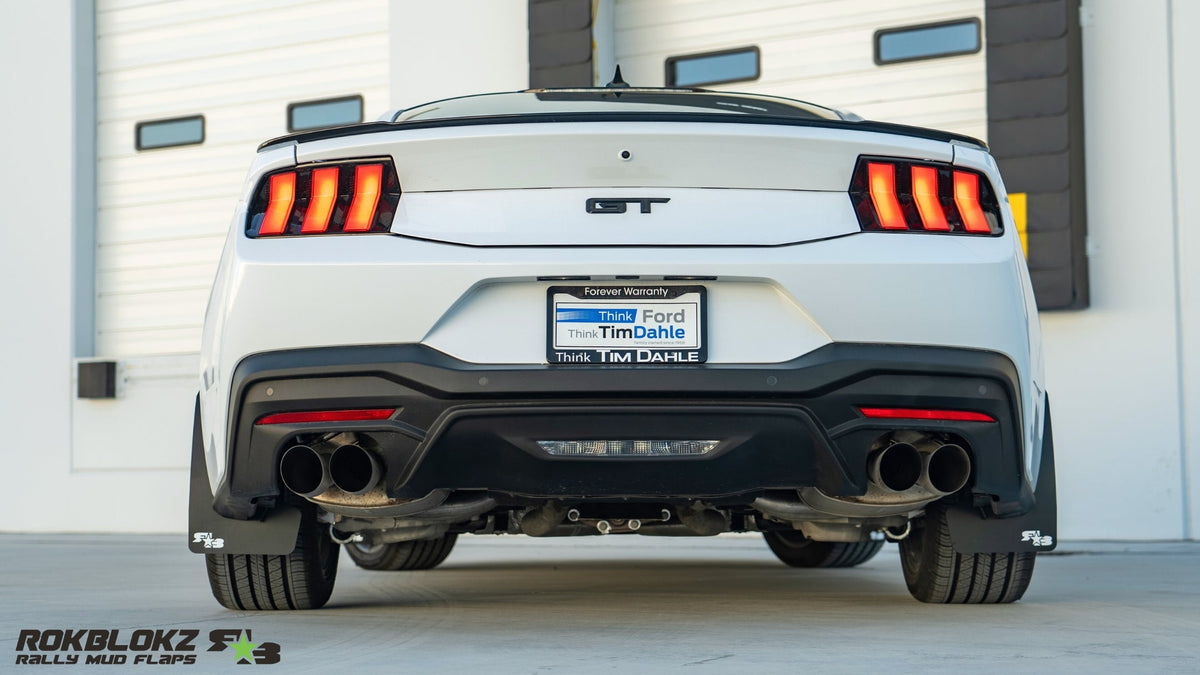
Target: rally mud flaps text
[{"x": 123, "y": 647}]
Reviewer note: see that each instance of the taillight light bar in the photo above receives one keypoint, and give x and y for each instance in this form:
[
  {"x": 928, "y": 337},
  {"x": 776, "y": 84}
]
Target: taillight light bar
[
  {"x": 349, "y": 197},
  {"x": 925, "y": 414},
  {"x": 899, "y": 195},
  {"x": 358, "y": 415}
]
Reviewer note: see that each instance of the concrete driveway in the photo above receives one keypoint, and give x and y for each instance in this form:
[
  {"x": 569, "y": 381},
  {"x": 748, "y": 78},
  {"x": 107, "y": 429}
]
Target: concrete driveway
[{"x": 626, "y": 605}]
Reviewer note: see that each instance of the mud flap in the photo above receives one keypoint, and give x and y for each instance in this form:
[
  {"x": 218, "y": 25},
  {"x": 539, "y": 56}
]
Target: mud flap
[
  {"x": 1034, "y": 531},
  {"x": 210, "y": 532}
]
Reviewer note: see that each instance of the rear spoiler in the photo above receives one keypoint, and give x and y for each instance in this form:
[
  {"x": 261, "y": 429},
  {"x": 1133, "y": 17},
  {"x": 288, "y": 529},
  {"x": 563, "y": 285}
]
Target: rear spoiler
[{"x": 674, "y": 117}]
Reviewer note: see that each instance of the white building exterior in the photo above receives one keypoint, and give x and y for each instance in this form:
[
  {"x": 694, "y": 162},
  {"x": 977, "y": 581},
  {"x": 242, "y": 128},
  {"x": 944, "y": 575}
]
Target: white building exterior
[{"x": 110, "y": 250}]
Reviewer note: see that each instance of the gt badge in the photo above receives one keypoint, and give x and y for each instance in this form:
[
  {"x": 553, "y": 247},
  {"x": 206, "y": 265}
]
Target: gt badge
[{"x": 618, "y": 205}]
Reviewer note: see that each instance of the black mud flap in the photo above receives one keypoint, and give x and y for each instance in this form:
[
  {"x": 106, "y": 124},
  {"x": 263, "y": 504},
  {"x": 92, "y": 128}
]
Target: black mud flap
[
  {"x": 1035, "y": 531},
  {"x": 210, "y": 532}
]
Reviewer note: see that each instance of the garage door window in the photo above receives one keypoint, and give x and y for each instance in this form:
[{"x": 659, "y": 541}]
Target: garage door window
[
  {"x": 329, "y": 112},
  {"x": 731, "y": 65},
  {"x": 169, "y": 133},
  {"x": 927, "y": 41}
]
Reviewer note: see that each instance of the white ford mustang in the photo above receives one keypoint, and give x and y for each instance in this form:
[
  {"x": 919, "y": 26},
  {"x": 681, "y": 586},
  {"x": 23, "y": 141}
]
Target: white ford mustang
[{"x": 621, "y": 310}]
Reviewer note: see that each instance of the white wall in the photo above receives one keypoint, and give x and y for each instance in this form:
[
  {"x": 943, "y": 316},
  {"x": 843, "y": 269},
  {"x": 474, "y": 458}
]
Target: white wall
[
  {"x": 1185, "y": 52},
  {"x": 457, "y": 47},
  {"x": 1113, "y": 370},
  {"x": 44, "y": 492}
]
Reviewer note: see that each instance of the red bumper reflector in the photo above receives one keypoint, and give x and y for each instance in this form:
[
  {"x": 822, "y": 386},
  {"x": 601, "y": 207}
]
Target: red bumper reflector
[
  {"x": 926, "y": 414},
  {"x": 279, "y": 209},
  {"x": 324, "y": 195},
  {"x": 882, "y": 179},
  {"x": 925, "y": 193},
  {"x": 327, "y": 416},
  {"x": 966, "y": 197},
  {"x": 368, "y": 181}
]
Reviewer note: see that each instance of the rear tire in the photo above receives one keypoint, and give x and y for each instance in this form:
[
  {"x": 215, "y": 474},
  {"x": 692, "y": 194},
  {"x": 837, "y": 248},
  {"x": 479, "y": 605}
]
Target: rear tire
[
  {"x": 302, "y": 579},
  {"x": 936, "y": 573},
  {"x": 796, "y": 550},
  {"x": 423, "y": 554}
]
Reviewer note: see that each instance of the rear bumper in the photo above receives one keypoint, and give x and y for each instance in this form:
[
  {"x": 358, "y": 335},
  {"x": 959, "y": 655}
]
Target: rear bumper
[{"x": 467, "y": 426}]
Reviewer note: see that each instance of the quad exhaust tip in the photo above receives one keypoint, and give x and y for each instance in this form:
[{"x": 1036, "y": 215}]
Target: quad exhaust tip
[
  {"x": 937, "y": 468},
  {"x": 350, "y": 468}
]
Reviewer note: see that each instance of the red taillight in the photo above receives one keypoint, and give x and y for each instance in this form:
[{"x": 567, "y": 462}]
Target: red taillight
[
  {"x": 368, "y": 179},
  {"x": 279, "y": 208},
  {"x": 320, "y": 205},
  {"x": 925, "y": 194},
  {"x": 901, "y": 195},
  {"x": 327, "y": 416},
  {"x": 966, "y": 198},
  {"x": 926, "y": 414},
  {"x": 327, "y": 198},
  {"x": 883, "y": 196}
]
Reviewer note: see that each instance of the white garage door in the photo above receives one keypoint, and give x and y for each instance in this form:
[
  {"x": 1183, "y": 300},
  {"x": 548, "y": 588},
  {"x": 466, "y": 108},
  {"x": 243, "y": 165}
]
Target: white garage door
[
  {"x": 163, "y": 212},
  {"x": 819, "y": 51}
]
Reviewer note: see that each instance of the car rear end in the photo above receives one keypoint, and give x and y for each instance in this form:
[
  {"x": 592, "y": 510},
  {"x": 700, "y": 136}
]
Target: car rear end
[{"x": 625, "y": 320}]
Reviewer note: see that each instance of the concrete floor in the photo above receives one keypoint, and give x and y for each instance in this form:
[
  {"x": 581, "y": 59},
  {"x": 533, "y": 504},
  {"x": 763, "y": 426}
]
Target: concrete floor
[{"x": 630, "y": 605}]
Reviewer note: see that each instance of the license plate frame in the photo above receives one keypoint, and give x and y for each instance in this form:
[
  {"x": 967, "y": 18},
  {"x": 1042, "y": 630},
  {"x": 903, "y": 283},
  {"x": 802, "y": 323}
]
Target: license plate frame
[{"x": 681, "y": 338}]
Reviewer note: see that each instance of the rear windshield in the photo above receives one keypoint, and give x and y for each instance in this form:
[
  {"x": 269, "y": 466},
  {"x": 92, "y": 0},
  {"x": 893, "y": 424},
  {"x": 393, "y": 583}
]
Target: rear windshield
[{"x": 614, "y": 101}]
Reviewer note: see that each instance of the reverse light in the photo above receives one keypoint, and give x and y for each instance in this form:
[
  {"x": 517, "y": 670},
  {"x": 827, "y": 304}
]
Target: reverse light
[
  {"x": 362, "y": 415},
  {"x": 926, "y": 414},
  {"x": 326, "y": 198},
  {"x": 892, "y": 194}
]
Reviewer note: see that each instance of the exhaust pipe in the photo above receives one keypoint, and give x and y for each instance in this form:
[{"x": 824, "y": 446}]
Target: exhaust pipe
[
  {"x": 945, "y": 469},
  {"x": 354, "y": 470},
  {"x": 896, "y": 467},
  {"x": 305, "y": 471}
]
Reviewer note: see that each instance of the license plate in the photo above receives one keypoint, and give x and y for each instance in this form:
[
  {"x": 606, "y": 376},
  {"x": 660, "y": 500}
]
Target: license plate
[{"x": 636, "y": 324}]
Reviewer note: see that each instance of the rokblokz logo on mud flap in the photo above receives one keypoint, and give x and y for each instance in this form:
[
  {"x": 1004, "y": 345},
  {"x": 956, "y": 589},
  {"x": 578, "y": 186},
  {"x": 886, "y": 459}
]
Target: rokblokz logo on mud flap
[{"x": 117, "y": 647}]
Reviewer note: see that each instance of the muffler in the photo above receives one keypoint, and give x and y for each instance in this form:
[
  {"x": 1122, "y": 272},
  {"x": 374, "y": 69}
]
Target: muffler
[
  {"x": 945, "y": 469},
  {"x": 354, "y": 470},
  {"x": 305, "y": 471},
  {"x": 896, "y": 467}
]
